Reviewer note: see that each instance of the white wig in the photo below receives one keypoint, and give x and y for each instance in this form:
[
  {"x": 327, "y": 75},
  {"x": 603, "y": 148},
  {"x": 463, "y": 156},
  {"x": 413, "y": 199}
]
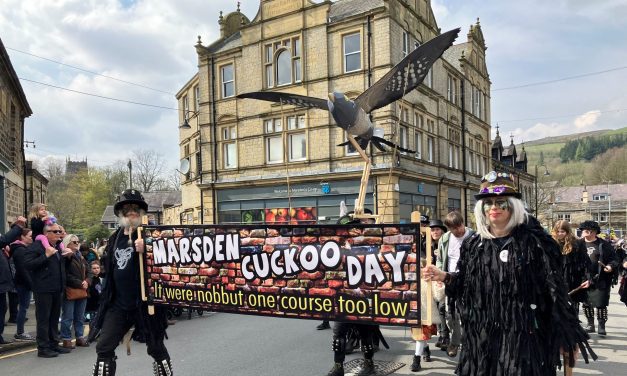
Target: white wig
[{"x": 516, "y": 208}]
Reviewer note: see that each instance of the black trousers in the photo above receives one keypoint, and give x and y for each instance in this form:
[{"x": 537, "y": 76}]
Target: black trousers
[
  {"x": 115, "y": 325},
  {"x": 47, "y": 313},
  {"x": 366, "y": 334},
  {"x": 12, "y": 305}
]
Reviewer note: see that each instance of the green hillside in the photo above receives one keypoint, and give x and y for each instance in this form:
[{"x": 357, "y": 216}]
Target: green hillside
[{"x": 607, "y": 166}]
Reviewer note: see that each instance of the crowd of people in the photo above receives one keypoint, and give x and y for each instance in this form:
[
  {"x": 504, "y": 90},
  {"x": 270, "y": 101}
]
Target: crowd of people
[{"x": 41, "y": 261}]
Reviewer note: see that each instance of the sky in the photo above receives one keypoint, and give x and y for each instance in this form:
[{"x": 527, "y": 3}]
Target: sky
[{"x": 143, "y": 52}]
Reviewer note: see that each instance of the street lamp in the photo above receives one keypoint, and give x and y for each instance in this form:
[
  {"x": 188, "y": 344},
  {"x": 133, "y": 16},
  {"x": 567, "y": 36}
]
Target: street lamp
[{"x": 546, "y": 173}]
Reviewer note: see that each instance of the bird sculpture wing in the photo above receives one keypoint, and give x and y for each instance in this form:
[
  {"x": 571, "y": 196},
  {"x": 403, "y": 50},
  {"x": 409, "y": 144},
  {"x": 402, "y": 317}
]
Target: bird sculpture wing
[
  {"x": 288, "y": 99},
  {"x": 414, "y": 67}
]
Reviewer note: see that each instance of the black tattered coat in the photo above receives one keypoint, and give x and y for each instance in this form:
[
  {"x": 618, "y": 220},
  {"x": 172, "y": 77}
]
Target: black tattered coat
[{"x": 515, "y": 310}]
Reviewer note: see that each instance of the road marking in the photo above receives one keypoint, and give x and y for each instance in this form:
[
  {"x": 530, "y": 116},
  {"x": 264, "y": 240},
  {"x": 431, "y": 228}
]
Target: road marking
[{"x": 17, "y": 353}]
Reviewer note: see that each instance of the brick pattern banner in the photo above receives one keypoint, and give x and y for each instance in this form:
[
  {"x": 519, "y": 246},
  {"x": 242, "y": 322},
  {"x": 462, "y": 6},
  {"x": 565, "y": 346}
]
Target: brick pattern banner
[{"x": 362, "y": 273}]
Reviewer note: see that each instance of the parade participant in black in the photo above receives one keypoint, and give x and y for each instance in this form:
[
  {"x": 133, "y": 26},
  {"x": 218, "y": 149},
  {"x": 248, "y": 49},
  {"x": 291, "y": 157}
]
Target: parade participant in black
[
  {"x": 516, "y": 315},
  {"x": 437, "y": 230},
  {"x": 121, "y": 306},
  {"x": 366, "y": 332},
  {"x": 47, "y": 269},
  {"x": 604, "y": 263},
  {"x": 575, "y": 262}
]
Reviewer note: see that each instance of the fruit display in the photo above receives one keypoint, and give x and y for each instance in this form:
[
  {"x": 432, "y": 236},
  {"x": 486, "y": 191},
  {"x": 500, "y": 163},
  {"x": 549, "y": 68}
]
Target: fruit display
[
  {"x": 253, "y": 215},
  {"x": 294, "y": 216}
]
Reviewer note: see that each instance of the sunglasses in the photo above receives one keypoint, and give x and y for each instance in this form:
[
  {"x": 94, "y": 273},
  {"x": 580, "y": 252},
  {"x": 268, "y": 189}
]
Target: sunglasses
[
  {"x": 56, "y": 231},
  {"x": 502, "y": 204},
  {"x": 130, "y": 208},
  {"x": 74, "y": 242}
]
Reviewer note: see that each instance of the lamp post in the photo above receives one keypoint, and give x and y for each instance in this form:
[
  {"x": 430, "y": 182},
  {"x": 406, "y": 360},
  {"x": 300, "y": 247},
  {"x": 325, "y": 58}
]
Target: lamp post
[
  {"x": 186, "y": 126},
  {"x": 609, "y": 205},
  {"x": 130, "y": 174}
]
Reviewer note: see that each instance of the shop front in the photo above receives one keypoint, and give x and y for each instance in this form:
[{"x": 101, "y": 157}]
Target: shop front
[
  {"x": 419, "y": 196},
  {"x": 303, "y": 204}
]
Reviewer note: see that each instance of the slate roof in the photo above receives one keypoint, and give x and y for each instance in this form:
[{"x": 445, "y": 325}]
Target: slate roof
[
  {"x": 156, "y": 202},
  {"x": 509, "y": 150},
  {"x": 232, "y": 41},
  {"x": 574, "y": 194},
  {"x": 347, "y": 8}
]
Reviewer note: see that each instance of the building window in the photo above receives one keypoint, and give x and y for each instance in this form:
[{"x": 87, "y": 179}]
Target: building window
[
  {"x": 600, "y": 197},
  {"x": 404, "y": 138},
  {"x": 229, "y": 147},
  {"x": 418, "y": 141},
  {"x": 428, "y": 81},
  {"x": 419, "y": 120},
  {"x": 451, "y": 89},
  {"x": 599, "y": 217},
  {"x": 471, "y": 162},
  {"x": 352, "y": 52},
  {"x": 282, "y": 62},
  {"x": 478, "y": 166},
  {"x": 228, "y": 81},
  {"x": 350, "y": 149},
  {"x": 405, "y": 43},
  {"x": 563, "y": 217},
  {"x": 196, "y": 98},
  {"x": 430, "y": 149},
  {"x": 450, "y": 155},
  {"x": 185, "y": 107},
  {"x": 295, "y": 135}
]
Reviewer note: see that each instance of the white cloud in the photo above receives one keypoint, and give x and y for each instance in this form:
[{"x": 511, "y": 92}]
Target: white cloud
[{"x": 587, "y": 120}]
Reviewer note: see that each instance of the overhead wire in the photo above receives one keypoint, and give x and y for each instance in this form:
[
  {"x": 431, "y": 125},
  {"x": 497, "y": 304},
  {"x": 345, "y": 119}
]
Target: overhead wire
[
  {"x": 560, "y": 79},
  {"x": 89, "y": 71}
]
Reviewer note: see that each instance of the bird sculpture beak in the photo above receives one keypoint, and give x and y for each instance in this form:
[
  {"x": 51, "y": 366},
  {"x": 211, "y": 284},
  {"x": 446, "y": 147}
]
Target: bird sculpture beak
[{"x": 331, "y": 97}]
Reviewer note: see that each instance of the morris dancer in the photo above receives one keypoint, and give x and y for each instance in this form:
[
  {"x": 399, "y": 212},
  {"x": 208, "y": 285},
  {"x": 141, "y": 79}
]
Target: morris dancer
[
  {"x": 121, "y": 305},
  {"x": 515, "y": 312}
]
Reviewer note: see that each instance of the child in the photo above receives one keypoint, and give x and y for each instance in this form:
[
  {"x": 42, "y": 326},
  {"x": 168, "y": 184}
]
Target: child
[
  {"x": 423, "y": 333},
  {"x": 93, "y": 292},
  {"x": 39, "y": 218}
]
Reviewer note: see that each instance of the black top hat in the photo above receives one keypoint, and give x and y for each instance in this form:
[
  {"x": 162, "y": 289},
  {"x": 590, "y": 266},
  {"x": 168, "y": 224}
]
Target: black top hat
[
  {"x": 130, "y": 196},
  {"x": 437, "y": 223},
  {"x": 590, "y": 225},
  {"x": 496, "y": 184}
]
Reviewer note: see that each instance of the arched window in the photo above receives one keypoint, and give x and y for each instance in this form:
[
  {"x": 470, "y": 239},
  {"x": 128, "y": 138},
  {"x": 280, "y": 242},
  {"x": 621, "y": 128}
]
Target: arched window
[{"x": 284, "y": 67}]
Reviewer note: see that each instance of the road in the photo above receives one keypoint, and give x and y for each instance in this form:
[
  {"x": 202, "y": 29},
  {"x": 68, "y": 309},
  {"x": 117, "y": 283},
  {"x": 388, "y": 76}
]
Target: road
[{"x": 239, "y": 345}]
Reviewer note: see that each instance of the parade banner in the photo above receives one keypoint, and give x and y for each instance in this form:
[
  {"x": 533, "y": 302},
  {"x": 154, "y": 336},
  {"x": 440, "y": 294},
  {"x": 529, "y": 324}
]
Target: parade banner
[{"x": 363, "y": 273}]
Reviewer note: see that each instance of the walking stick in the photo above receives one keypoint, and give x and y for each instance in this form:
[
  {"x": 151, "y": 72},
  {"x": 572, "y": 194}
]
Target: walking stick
[
  {"x": 151, "y": 308},
  {"x": 568, "y": 371}
]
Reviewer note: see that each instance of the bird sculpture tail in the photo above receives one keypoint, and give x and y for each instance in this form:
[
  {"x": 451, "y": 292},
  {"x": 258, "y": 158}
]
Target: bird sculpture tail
[{"x": 379, "y": 143}]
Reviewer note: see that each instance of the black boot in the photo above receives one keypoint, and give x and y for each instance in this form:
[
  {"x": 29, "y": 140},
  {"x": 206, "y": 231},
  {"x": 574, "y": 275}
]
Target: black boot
[
  {"x": 415, "y": 365},
  {"x": 162, "y": 367},
  {"x": 602, "y": 318},
  {"x": 445, "y": 342},
  {"x": 323, "y": 326},
  {"x": 426, "y": 354},
  {"x": 105, "y": 367},
  {"x": 337, "y": 370},
  {"x": 367, "y": 369},
  {"x": 589, "y": 313}
]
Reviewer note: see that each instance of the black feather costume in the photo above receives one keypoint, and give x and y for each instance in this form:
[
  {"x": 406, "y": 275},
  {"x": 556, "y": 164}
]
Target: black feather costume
[
  {"x": 576, "y": 270},
  {"x": 515, "y": 310}
]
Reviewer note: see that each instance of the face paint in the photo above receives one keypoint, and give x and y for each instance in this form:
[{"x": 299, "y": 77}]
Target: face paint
[{"x": 501, "y": 203}]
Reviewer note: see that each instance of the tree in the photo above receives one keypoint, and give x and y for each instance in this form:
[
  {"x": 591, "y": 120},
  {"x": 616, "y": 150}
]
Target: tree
[
  {"x": 148, "y": 168},
  {"x": 541, "y": 160},
  {"x": 96, "y": 232}
]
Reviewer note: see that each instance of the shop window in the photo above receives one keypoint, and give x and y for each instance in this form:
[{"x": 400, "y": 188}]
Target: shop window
[
  {"x": 405, "y": 43},
  {"x": 228, "y": 81},
  {"x": 196, "y": 98},
  {"x": 352, "y": 52}
]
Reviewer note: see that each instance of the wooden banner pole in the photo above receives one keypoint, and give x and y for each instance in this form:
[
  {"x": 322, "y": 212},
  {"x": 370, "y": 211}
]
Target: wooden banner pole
[{"x": 151, "y": 308}]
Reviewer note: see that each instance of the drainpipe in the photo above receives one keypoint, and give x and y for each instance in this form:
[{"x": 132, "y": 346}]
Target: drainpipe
[
  {"x": 214, "y": 143},
  {"x": 24, "y": 170},
  {"x": 463, "y": 124}
]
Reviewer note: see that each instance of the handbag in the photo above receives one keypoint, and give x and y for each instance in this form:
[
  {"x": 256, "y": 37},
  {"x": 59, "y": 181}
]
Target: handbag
[{"x": 72, "y": 293}]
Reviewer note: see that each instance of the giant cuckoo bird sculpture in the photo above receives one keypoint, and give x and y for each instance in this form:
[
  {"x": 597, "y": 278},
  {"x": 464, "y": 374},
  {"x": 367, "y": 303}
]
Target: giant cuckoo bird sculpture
[{"x": 352, "y": 115}]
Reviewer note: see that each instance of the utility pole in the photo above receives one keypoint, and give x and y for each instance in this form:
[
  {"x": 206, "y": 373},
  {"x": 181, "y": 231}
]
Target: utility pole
[{"x": 130, "y": 174}]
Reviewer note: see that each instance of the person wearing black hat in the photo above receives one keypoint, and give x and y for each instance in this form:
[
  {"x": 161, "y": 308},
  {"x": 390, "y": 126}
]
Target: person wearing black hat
[
  {"x": 515, "y": 312},
  {"x": 604, "y": 263},
  {"x": 121, "y": 305}
]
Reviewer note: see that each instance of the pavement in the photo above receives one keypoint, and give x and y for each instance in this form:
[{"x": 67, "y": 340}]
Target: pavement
[{"x": 251, "y": 345}]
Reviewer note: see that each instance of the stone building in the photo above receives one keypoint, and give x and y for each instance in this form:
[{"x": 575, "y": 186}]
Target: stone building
[
  {"x": 252, "y": 161},
  {"x": 36, "y": 186},
  {"x": 507, "y": 159},
  {"x": 14, "y": 108},
  {"x": 74, "y": 167},
  {"x": 604, "y": 203}
]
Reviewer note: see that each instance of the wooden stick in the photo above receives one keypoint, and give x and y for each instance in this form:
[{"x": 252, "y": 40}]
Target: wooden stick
[
  {"x": 151, "y": 308},
  {"x": 415, "y": 218},
  {"x": 363, "y": 187},
  {"x": 568, "y": 371}
]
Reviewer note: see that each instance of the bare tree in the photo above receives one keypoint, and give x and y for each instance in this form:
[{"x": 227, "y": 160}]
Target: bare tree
[
  {"x": 148, "y": 169},
  {"x": 50, "y": 167},
  {"x": 174, "y": 180}
]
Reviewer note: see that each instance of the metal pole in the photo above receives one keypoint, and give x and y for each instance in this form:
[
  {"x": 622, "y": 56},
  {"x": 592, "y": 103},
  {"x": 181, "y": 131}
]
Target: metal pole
[
  {"x": 609, "y": 208},
  {"x": 130, "y": 174}
]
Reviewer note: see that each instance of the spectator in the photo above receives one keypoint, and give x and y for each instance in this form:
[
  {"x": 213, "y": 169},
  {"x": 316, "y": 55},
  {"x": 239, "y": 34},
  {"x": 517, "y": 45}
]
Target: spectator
[
  {"x": 6, "y": 285},
  {"x": 515, "y": 311},
  {"x": 94, "y": 291},
  {"x": 14, "y": 232},
  {"x": 23, "y": 283},
  {"x": 450, "y": 249},
  {"x": 74, "y": 308},
  {"x": 39, "y": 217},
  {"x": 437, "y": 230},
  {"x": 88, "y": 253},
  {"x": 102, "y": 248},
  {"x": 575, "y": 262},
  {"x": 603, "y": 264},
  {"x": 47, "y": 270}
]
